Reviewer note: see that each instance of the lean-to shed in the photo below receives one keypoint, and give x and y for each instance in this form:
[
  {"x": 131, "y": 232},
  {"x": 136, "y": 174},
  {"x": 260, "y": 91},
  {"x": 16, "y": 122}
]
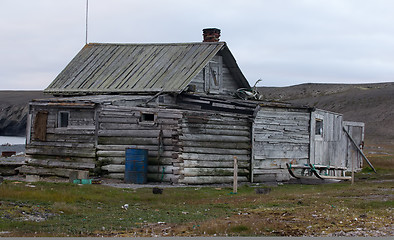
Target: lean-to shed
[{"x": 177, "y": 101}]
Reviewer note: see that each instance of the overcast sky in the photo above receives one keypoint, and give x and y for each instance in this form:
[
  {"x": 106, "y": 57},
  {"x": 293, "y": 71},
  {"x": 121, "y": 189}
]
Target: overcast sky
[{"x": 284, "y": 42}]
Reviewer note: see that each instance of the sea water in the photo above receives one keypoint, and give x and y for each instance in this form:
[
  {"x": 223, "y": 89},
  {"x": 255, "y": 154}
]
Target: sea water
[{"x": 13, "y": 140}]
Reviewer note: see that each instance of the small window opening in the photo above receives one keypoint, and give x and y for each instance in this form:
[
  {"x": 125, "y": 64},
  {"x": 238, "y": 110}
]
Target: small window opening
[
  {"x": 64, "y": 119},
  {"x": 319, "y": 127},
  {"x": 147, "y": 117}
]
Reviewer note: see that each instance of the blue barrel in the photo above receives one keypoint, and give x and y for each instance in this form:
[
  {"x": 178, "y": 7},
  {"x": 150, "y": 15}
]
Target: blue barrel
[{"x": 136, "y": 167}]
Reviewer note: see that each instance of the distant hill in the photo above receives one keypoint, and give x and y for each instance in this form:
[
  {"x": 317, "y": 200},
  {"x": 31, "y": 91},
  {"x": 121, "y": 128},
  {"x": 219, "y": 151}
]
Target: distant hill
[
  {"x": 372, "y": 104},
  {"x": 14, "y": 109}
]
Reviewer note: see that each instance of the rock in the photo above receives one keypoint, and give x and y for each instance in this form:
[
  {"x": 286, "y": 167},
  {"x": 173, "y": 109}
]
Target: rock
[
  {"x": 157, "y": 190},
  {"x": 14, "y": 108},
  {"x": 262, "y": 190}
]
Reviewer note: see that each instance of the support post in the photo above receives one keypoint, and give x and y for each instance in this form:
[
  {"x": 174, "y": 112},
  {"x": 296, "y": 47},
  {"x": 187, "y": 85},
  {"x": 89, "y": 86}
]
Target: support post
[
  {"x": 353, "y": 169},
  {"x": 235, "y": 183}
]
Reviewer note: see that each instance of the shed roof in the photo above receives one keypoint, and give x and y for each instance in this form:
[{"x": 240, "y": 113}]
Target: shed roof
[{"x": 139, "y": 68}]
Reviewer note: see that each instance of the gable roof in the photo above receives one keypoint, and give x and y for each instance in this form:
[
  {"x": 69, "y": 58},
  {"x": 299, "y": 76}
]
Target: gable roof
[{"x": 139, "y": 68}]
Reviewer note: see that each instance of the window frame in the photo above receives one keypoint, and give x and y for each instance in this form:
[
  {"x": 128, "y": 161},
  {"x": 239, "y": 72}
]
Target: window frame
[
  {"x": 213, "y": 76},
  {"x": 143, "y": 120},
  {"x": 319, "y": 127},
  {"x": 60, "y": 119}
]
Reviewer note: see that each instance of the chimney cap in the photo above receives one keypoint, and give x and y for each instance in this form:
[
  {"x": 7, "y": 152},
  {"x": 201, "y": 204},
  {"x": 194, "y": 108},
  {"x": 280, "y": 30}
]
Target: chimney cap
[{"x": 211, "y": 34}]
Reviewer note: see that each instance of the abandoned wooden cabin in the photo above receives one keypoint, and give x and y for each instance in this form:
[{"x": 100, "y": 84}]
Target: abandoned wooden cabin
[{"x": 177, "y": 101}]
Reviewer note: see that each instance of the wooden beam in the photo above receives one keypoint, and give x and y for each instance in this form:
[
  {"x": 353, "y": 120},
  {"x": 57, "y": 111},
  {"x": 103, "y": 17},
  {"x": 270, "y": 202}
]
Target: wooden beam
[
  {"x": 361, "y": 152},
  {"x": 235, "y": 181}
]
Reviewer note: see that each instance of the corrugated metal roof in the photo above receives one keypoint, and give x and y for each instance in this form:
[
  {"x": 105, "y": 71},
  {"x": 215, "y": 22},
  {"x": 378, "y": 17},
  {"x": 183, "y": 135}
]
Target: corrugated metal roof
[{"x": 134, "y": 68}]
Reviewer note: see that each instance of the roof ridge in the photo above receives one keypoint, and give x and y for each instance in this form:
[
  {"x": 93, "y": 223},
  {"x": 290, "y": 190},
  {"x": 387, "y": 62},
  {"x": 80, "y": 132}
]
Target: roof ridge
[{"x": 156, "y": 44}]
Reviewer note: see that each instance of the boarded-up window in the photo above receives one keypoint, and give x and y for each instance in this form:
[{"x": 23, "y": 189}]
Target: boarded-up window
[
  {"x": 40, "y": 126},
  {"x": 213, "y": 76}
]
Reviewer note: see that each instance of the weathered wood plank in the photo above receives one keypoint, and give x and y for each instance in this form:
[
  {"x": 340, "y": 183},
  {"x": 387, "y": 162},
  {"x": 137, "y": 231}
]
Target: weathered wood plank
[
  {"x": 283, "y": 140},
  {"x": 215, "y": 132},
  {"x": 151, "y": 160},
  {"x": 213, "y": 164},
  {"x": 124, "y": 147},
  {"x": 241, "y": 145},
  {"x": 61, "y": 172},
  {"x": 215, "y": 150},
  {"x": 132, "y": 141},
  {"x": 60, "y": 158},
  {"x": 214, "y": 138},
  {"x": 60, "y": 164},
  {"x": 62, "y": 144},
  {"x": 284, "y": 128},
  {"x": 159, "y": 169},
  {"x": 115, "y": 168},
  {"x": 213, "y": 157},
  {"x": 216, "y": 121},
  {"x": 211, "y": 179},
  {"x": 123, "y": 154},
  {"x": 215, "y": 126},
  {"x": 153, "y": 177},
  {"x": 88, "y": 130},
  {"x": 61, "y": 151},
  {"x": 135, "y": 133},
  {"x": 193, "y": 172},
  {"x": 70, "y": 138},
  {"x": 130, "y": 126}
]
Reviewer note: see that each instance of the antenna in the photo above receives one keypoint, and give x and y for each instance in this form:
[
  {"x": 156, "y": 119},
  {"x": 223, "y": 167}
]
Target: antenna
[{"x": 87, "y": 12}]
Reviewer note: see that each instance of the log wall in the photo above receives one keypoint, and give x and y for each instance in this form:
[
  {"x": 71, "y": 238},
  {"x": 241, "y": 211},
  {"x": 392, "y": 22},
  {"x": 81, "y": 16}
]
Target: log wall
[
  {"x": 209, "y": 143},
  {"x": 123, "y": 127},
  {"x": 280, "y": 136},
  {"x": 68, "y": 149}
]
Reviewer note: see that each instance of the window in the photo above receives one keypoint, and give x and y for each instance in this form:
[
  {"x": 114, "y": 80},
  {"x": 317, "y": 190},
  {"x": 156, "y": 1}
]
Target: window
[
  {"x": 147, "y": 117},
  {"x": 63, "y": 119},
  {"x": 319, "y": 127}
]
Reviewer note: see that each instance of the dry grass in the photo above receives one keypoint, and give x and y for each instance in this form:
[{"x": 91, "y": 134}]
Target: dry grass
[{"x": 63, "y": 209}]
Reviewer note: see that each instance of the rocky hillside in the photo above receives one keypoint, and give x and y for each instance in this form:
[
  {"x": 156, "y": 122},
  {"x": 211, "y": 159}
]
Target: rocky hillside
[
  {"x": 372, "y": 104},
  {"x": 14, "y": 110}
]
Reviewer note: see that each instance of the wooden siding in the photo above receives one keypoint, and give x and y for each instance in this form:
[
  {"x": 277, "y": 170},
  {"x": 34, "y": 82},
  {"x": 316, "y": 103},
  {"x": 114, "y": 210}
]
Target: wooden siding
[
  {"x": 194, "y": 142},
  {"x": 226, "y": 80},
  {"x": 70, "y": 148},
  {"x": 356, "y": 130},
  {"x": 209, "y": 143},
  {"x": 333, "y": 148},
  {"x": 196, "y": 147},
  {"x": 328, "y": 148},
  {"x": 121, "y": 128},
  {"x": 280, "y": 136}
]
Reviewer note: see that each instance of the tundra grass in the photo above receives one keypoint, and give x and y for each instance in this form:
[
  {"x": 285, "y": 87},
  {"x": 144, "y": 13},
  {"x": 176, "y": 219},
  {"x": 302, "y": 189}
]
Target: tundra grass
[
  {"x": 78, "y": 210},
  {"x": 64, "y": 209}
]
